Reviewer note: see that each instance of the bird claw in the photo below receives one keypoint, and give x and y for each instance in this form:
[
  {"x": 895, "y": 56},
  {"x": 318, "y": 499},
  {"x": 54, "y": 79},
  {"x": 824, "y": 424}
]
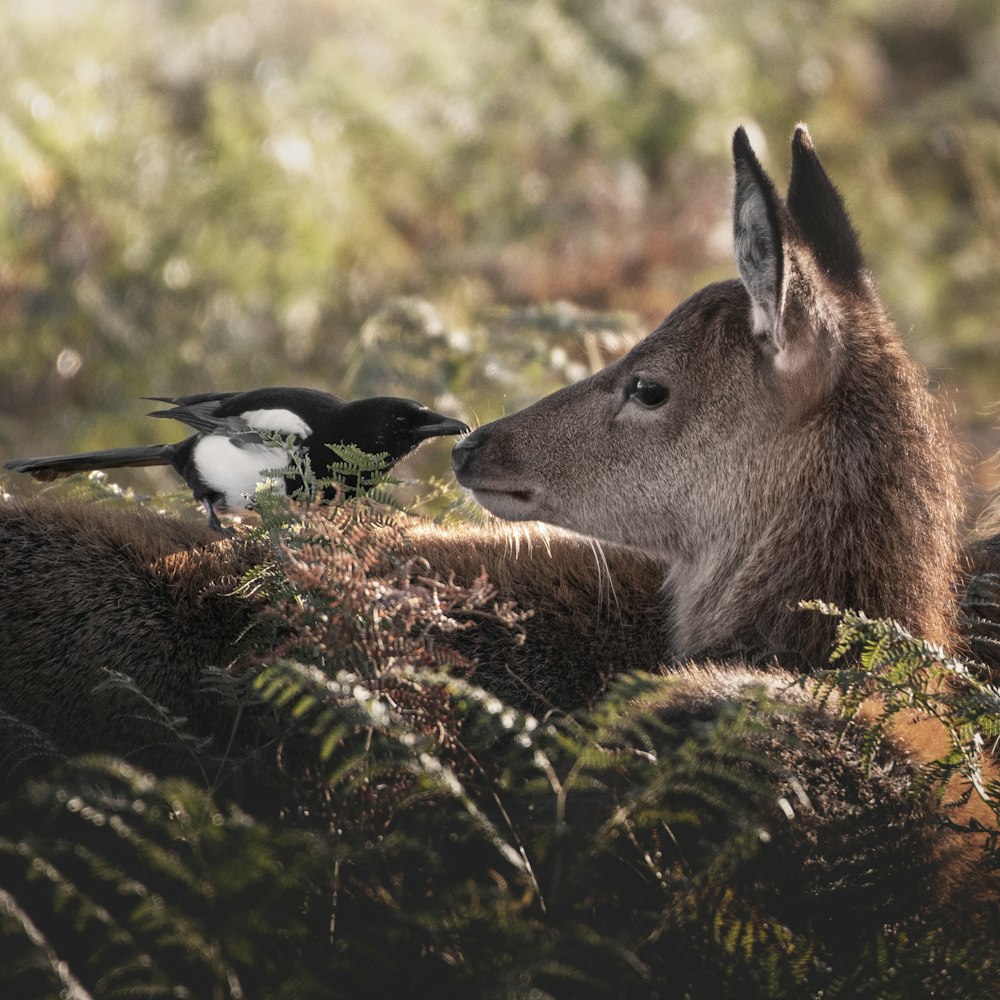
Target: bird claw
[{"x": 215, "y": 524}]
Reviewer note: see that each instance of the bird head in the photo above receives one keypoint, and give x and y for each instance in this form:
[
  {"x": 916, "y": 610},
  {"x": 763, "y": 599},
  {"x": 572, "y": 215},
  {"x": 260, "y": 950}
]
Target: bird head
[{"x": 396, "y": 426}]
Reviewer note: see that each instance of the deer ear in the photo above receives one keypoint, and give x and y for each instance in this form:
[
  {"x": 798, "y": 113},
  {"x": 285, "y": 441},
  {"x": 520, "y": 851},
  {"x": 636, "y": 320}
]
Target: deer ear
[
  {"x": 758, "y": 240},
  {"x": 818, "y": 210}
]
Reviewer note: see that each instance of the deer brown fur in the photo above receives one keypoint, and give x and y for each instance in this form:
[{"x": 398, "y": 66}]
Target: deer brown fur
[
  {"x": 845, "y": 846},
  {"x": 578, "y": 597},
  {"x": 85, "y": 590}
]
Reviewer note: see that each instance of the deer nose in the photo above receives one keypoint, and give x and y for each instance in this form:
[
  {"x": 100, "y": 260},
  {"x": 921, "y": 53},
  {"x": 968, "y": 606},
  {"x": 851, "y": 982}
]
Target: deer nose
[{"x": 462, "y": 453}]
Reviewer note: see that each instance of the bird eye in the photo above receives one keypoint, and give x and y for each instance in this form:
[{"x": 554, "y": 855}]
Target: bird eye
[{"x": 647, "y": 393}]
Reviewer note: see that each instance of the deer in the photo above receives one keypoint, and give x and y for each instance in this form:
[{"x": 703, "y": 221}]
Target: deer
[{"x": 770, "y": 441}]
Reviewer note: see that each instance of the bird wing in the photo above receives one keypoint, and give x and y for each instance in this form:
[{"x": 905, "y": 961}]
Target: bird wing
[
  {"x": 280, "y": 409},
  {"x": 202, "y": 416},
  {"x": 304, "y": 404},
  {"x": 243, "y": 416},
  {"x": 198, "y": 397}
]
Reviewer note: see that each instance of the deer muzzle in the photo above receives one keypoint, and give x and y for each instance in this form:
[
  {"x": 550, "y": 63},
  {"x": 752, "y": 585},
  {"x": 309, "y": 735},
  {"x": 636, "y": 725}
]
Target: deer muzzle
[{"x": 494, "y": 484}]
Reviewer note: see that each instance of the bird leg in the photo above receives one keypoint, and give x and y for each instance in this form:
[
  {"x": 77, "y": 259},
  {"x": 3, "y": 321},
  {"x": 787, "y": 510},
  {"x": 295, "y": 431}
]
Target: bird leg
[{"x": 213, "y": 519}]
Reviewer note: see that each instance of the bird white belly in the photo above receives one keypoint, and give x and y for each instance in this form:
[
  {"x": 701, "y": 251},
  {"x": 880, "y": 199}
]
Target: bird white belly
[{"x": 235, "y": 471}]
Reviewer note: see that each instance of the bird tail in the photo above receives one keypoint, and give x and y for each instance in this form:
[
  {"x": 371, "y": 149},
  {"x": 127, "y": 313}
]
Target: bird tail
[{"x": 47, "y": 469}]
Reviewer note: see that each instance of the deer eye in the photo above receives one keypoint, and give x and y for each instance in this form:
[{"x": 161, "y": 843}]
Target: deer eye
[{"x": 647, "y": 393}]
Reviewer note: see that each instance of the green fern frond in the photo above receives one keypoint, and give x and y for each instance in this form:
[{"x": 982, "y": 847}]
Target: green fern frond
[
  {"x": 884, "y": 660},
  {"x": 177, "y": 911}
]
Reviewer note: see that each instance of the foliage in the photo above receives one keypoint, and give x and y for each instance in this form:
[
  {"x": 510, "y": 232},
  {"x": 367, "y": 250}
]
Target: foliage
[
  {"x": 148, "y": 888},
  {"x": 981, "y": 615},
  {"x": 386, "y": 827},
  {"x": 879, "y": 658},
  {"x": 471, "y": 204}
]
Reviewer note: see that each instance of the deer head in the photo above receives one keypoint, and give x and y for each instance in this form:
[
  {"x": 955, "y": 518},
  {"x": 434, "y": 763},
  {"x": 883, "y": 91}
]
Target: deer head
[{"x": 770, "y": 441}]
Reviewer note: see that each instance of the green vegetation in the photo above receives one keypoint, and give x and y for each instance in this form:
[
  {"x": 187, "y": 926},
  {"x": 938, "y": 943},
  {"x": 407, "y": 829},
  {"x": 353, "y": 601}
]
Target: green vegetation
[
  {"x": 466, "y": 202},
  {"x": 379, "y": 826}
]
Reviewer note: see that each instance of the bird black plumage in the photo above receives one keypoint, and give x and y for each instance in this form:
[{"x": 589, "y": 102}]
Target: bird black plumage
[{"x": 226, "y": 458}]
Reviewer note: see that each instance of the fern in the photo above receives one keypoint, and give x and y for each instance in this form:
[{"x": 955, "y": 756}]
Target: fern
[
  {"x": 980, "y": 608},
  {"x": 376, "y": 824},
  {"x": 24, "y": 749},
  {"x": 875, "y": 657},
  {"x": 149, "y": 889},
  {"x": 354, "y": 473}
]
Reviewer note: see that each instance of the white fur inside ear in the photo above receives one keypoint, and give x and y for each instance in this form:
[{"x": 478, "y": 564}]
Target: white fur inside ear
[
  {"x": 279, "y": 420},
  {"x": 763, "y": 322},
  {"x": 786, "y": 363},
  {"x": 759, "y": 258}
]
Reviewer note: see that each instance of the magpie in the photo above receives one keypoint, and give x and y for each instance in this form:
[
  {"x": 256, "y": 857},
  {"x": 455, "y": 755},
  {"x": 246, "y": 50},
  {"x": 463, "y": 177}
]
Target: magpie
[{"x": 226, "y": 458}]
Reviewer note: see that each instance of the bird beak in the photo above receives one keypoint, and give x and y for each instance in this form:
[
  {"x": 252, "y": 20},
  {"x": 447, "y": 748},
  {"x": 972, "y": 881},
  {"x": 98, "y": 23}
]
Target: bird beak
[{"x": 440, "y": 426}]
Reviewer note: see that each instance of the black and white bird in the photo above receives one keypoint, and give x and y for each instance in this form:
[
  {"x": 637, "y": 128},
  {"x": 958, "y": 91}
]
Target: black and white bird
[{"x": 226, "y": 458}]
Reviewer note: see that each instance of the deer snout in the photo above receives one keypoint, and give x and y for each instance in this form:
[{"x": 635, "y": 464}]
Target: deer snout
[
  {"x": 464, "y": 452},
  {"x": 485, "y": 466}
]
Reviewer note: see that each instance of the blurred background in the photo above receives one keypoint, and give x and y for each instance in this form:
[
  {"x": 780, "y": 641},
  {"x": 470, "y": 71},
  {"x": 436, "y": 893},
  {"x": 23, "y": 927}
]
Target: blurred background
[{"x": 464, "y": 201}]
